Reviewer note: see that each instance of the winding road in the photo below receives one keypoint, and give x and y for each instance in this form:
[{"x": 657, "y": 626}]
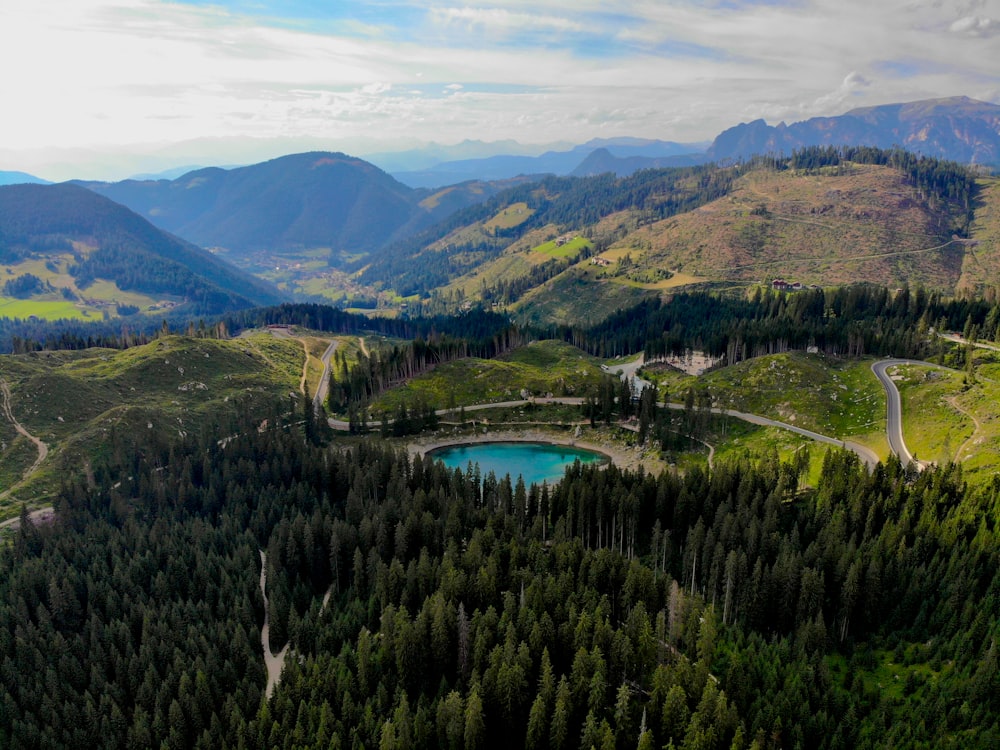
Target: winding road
[
  {"x": 865, "y": 454},
  {"x": 894, "y": 407},
  {"x": 324, "y": 380}
]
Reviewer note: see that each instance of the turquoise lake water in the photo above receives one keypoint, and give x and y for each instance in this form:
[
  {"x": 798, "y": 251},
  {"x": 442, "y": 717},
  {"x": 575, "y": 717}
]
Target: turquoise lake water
[{"x": 536, "y": 462}]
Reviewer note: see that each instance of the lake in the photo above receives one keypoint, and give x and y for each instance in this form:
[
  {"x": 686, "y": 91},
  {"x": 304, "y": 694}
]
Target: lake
[{"x": 536, "y": 462}]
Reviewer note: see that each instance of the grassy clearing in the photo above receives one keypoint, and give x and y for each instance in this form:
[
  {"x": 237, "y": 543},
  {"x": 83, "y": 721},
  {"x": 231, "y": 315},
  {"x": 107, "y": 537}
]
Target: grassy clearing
[
  {"x": 51, "y": 309},
  {"x": 539, "y": 368},
  {"x": 569, "y": 249},
  {"x": 840, "y": 398},
  {"x": 513, "y": 215},
  {"x": 174, "y": 385},
  {"x": 677, "y": 280},
  {"x": 933, "y": 428}
]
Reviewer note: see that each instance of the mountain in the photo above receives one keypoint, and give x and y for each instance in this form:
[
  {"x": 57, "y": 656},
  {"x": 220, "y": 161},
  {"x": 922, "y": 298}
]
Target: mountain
[
  {"x": 314, "y": 200},
  {"x": 602, "y": 160},
  {"x": 431, "y": 154},
  {"x": 645, "y": 152},
  {"x": 956, "y": 128},
  {"x": 168, "y": 174},
  {"x": 64, "y": 239},
  {"x": 20, "y": 178},
  {"x": 571, "y": 250}
]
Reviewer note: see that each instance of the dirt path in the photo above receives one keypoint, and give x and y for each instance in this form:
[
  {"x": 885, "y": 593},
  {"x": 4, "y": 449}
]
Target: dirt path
[
  {"x": 953, "y": 400},
  {"x": 305, "y": 368},
  {"x": 273, "y": 662},
  {"x": 364, "y": 349},
  {"x": 43, "y": 449}
]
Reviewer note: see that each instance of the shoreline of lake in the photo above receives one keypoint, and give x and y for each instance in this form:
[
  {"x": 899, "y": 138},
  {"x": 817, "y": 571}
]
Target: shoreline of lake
[{"x": 622, "y": 457}]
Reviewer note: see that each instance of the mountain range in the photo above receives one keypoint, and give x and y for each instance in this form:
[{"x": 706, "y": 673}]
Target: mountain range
[
  {"x": 301, "y": 201},
  {"x": 641, "y": 152},
  {"x": 957, "y": 129},
  {"x": 20, "y": 178},
  {"x": 332, "y": 225}
]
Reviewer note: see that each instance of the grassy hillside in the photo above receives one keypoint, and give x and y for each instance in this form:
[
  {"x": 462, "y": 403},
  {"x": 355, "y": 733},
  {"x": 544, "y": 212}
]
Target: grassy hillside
[
  {"x": 981, "y": 266},
  {"x": 65, "y": 243},
  {"x": 836, "y": 397},
  {"x": 72, "y": 400},
  {"x": 831, "y": 226},
  {"x": 832, "y": 223},
  {"x": 540, "y": 368}
]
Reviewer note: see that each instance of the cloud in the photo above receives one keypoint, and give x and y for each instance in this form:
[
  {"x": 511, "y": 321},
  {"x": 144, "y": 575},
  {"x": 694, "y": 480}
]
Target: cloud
[
  {"x": 502, "y": 20},
  {"x": 374, "y": 89},
  {"x": 976, "y": 26},
  {"x": 146, "y": 71},
  {"x": 852, "y": 85}
]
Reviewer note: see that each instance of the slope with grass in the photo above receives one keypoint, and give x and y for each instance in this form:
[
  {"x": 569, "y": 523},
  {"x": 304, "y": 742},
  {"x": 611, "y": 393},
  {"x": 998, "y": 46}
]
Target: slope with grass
[
  {"x": 539, "y": 368},
  {"x": 836, "y": 397},
  {"x": 881, "y": 219},
  {"x": 981, "y": 267},
  {"x": 174, "y": 385},
  {"x": 950, "y": 416},
  {"x": 65, "y": 243},
  {"x": 828, "y": 226}
]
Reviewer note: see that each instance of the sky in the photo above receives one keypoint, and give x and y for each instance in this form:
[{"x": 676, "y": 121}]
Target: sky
[{"x": 107, "y": 88}]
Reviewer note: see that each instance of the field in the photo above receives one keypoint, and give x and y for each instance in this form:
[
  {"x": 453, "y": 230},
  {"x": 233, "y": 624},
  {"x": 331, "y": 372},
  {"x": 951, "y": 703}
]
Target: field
[
  {"x": 45, "y": 309},
  {"x": 93, "y": 302},
  {"x": 513, "y": 215},
  {"x": 569, "y": 249}
]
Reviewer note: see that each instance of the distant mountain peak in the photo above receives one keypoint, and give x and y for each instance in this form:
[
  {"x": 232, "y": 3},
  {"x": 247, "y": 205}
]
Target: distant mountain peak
[{"x": 955, "y": 128}]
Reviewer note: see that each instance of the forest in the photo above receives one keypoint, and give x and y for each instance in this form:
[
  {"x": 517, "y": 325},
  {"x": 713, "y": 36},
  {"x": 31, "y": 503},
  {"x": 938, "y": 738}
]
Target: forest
[{"x": 727, "y": 608}]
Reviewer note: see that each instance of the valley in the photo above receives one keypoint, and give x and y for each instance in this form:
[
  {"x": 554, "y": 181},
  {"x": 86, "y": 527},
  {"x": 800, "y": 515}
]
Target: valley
[{"x": 223, "y": 521}]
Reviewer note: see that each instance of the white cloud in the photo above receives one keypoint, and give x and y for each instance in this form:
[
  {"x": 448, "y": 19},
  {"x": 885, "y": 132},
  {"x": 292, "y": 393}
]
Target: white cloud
[
  {"x": 502, "y": 20},
  {"x": 141, "y": 71},
  {"x": 976, "y": 26}
]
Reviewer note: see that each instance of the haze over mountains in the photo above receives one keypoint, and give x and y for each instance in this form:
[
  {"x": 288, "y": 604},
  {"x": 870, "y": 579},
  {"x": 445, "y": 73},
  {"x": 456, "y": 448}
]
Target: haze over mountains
[
  {"x": 956, "y": 128},
  {"x": 19, "y": 178}
]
